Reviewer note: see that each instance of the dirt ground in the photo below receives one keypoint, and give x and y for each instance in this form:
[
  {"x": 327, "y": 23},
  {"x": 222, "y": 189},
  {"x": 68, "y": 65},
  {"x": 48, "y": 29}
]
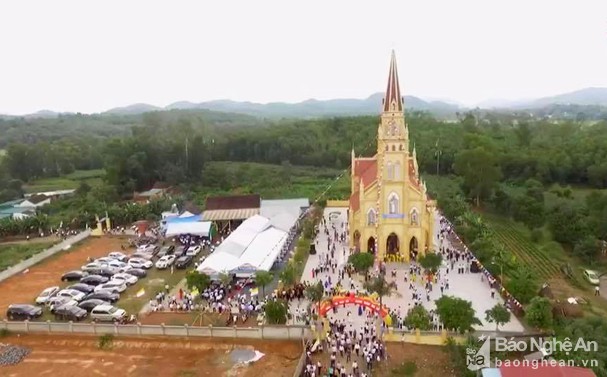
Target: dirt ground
[
  {"x": 25, "y": 287},
  {"x": 69, "y": 356},
  {"x": 431, "y": 361}
]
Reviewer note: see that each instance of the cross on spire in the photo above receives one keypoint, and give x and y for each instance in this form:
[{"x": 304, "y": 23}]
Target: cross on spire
[{"x": 393, "y": 100}]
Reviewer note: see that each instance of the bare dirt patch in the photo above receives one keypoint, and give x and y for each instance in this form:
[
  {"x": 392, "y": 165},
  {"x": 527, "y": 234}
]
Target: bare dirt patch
[
  {"x": 25, "y": 287},
  {"x": 147, "y": 357}
]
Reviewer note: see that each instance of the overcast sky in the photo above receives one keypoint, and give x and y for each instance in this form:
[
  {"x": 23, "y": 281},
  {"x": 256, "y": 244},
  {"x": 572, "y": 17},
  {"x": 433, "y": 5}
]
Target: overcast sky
[{"x": 89, "y": 56}]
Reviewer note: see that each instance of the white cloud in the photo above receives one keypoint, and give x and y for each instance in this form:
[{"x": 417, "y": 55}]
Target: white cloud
[{"x": 90, "y": 56}]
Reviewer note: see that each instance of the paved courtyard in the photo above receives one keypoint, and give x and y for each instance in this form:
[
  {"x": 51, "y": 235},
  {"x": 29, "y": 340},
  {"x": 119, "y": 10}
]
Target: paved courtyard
[{"x": 466, "y": 286}]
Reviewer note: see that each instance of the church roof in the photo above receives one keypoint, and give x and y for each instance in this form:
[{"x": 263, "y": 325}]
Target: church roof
[
  {"x": 393, "y": 89},
  {"x": 413, "y": 177},
  {"x": 366, "y": 169}
]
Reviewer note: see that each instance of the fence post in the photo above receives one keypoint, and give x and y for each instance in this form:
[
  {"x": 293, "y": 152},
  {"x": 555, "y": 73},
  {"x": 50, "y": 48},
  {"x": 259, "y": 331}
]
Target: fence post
[
  {"x": 138, "y": 328},
  {"x": 116, "y": 328},
  {"x": 5, "y": 322},
  {"x": 162, "y": 326},
  {"x": 261, "y": 329},
  {"x": 71, "y": 326},
  {"x": 94, "y": 327},
  {"x": 211, "y": 330},
  {"x": 235, "y": 333},
  {"x": 288, "y": 327},
  {"x": 187, "y": 329},
  {"x": 48, "y": 323},
  {"x": 26, "y": 324}
]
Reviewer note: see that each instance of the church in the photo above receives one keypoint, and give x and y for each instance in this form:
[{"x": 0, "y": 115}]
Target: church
[{"x": 390, "y": 214}]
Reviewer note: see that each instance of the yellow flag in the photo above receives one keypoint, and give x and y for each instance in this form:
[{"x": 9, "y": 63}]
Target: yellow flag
[
  {"x": 140, "y": 292},
  {"x": 254, "y": 291}
]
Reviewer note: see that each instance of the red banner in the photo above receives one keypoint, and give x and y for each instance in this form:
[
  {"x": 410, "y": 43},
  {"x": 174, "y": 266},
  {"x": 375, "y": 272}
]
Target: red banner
[{"x": 365, "y": 301}]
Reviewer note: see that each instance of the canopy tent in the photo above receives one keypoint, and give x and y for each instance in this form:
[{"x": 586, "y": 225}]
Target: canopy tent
[
  {"x": 196, "y": 228},
  {"x": 184, "y": 219}
]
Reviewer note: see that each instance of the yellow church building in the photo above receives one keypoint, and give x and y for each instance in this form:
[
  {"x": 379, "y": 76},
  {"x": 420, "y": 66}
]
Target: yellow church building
[{"x": 390, "y": 213}]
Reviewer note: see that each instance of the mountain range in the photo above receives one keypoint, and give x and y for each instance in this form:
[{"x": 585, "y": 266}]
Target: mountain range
[{"x": 371, "y": 105}]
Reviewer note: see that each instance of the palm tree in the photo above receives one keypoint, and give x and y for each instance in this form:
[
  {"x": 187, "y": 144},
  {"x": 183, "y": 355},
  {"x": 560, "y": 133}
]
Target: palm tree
[
  {"x": 263, "y": 278},
  {"x": 381, "y": 286},
  {"x": 225, "y": 278}
]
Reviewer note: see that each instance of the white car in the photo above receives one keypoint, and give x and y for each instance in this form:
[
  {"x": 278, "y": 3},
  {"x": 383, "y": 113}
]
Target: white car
[
  {"x": 142, "y": 255},
  {"x": 46, "y": 294},
  {"x": 104, "y": 260},
  {"x": 193, "y": 250},
  {"x": 93, "y": 266},
  {"x": 56, "y": 302},
  {"x": 72, "y": 294},
  {"x": 125, "y": 278},
  {"x": 107, "y": 313},
  {"x": 112, "y": 285},
  {"x": 117, "y": 255},
  {"x": 165, "y": 261},
  {"x": 118, "y": 266},
  {"x": 140, "y": 263}
]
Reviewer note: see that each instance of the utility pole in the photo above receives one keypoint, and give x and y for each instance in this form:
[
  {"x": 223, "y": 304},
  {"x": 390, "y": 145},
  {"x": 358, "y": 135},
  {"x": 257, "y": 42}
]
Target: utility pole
[
  {"x": 186, "y": 154},
  {"x": 437, "y": 153}
]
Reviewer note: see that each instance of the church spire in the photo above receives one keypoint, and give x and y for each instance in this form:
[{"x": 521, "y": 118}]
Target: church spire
[{"x": 393, "y": 100}]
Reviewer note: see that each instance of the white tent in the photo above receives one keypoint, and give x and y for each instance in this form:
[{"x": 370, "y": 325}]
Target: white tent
[{"x": 197, "y": 228}]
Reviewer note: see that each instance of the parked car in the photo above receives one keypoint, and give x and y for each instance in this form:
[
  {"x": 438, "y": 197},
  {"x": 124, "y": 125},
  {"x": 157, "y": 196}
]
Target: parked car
[
  {"x": 104, "y": 260},
  {"x": 165, "y": 262},
  {"x": 165, "y": 250},
  {"x": 142, "y": 255},
  {"x": 84, "y": 288},
  {"x": 116, "y": 286},
  {"x": 592, "y": 277},
  {"x": 103, "y": 272},
  {"x": 107, "y": 313},
  {"x": 73, "y": 275},
  {"x": 46, "y": 294},
  {"x": 71, "y": 293},
  {"x": 179, "y": 251},
  {"x": 70, "y": 313},
  {"x": 93, "y": 266},
  {"x": 193, "y": 250},
  {"x": 104, "y": 295},
  {"x": 183, "y": 262},
  {"x": 90, "y": 304},
  {"x": 56, "y": 302},
  {"x": 118, "y": 266},
  {"x": 140, "y": 263},
  {"x": 94, "y": 280},
  {"x": 117, "y": 255},
  {"x": 23, "y": 311},
  {"x": 139, "y": 272},
  {"x": 128, "y": 279}
]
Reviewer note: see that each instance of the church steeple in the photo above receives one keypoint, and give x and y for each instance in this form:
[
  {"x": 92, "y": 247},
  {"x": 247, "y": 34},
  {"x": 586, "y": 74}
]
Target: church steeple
[{"x": 393, "y": 102}]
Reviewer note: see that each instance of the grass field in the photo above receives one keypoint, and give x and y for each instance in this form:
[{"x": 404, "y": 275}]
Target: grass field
[
  {"x": 70, "y": 181},
  {"x": 12, "y": 254}
]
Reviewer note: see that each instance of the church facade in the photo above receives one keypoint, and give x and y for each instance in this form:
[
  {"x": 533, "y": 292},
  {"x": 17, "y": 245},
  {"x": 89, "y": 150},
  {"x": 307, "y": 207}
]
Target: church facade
[{"x": 390, "y": 213}]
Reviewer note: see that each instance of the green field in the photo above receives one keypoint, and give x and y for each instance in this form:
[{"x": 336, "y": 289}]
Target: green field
[
  {"x": 11, "y": 254},
  {"x": 70, "y": 181}
]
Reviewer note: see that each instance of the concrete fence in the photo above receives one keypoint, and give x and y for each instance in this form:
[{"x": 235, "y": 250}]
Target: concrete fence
[
  {"x": 14, "y": 270},
  {"x": 264, "y": 332}
]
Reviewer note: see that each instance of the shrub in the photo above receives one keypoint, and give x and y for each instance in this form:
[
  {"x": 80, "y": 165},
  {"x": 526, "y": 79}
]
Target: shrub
[
  {"x": 536, "y": 235},
  {"x": 106, "y": 341}
]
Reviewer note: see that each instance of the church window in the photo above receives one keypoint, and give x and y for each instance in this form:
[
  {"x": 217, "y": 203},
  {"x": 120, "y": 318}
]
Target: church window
[
  {"x": 393, "y": 148},
  {"x": 393, "y": 203},
  {"x": 397, "y": 171},
  {"x": 414, "y": 217},
  {"x": 402, "y": 147},
  {"x": 371, "y": 217},
  {"x": 390, "y": 171}
]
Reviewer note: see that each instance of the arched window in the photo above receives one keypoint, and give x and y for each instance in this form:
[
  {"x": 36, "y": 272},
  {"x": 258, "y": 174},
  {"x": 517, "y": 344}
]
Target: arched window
[
  {"x": 393, "y": 204},
  {"x": 414, "y": 217},
  {"x": 371, "y": 217},
  {"x": 390, "y": 170},
  {"x": 393, "y": 148},
  {"x": 397, "y": 171}
]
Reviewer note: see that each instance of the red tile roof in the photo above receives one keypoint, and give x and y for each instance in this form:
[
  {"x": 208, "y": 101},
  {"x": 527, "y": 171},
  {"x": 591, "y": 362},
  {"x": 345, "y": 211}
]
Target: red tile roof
[
  {"x": 413, "y": 175},
  {"x": 366, "y": 169},
  {"x": 545, "y": 371},
  {"x": 233, "y": 202}
]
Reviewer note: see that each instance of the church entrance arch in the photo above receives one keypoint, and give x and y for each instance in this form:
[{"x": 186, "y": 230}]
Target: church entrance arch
[
  {"x": 371, "y": 245},
  {"x": 356, "y": 241},
  {"x": 392, "y": 244},
  {"x": 413, "y": 248},
  {"x": 350, "y": 299}
]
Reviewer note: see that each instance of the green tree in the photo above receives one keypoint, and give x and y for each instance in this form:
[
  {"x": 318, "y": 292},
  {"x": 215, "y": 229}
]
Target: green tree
[
  {"x": 589, "y": 249},
  {"x": 498, "y": 315},
  {"x": 431, "y": 262},
  {"x": 288, "y": 275},
  {"x": 263, "y": 278},
  {"x": 522, "y": 285},
  {"x": 587, "y": 329},
  {"x": 225, "y": 278},
  {"x": 361, "y": 261},
  {"x": 198, "y": 280},
  {"x": 480, "y": 171},
  {"x": 539, "y": 313},
  {"x": 380, "y": 286},
  {"x": 418, "y": 318},
  {"x": 315, "y": 293},
  {"x": 456, "y": 314},
  {"x": 276, "y": 312}
]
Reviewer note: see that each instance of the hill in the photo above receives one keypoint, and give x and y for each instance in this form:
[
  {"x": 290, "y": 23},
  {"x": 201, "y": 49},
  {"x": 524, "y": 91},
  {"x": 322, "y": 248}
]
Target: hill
[
  {"x": 587, "y": 96},
  {"x": 138, "y": 108}
]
